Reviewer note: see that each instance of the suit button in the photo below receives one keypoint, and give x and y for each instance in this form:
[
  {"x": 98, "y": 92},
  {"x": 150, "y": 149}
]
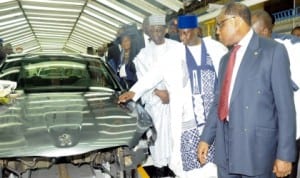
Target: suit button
[
  {"x": 246, "y": 107},
  {"x": 259, "y": 92}
]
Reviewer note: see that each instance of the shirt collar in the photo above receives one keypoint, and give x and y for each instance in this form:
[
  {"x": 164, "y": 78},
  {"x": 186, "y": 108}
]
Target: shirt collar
[{"x": 246, "y": 39}]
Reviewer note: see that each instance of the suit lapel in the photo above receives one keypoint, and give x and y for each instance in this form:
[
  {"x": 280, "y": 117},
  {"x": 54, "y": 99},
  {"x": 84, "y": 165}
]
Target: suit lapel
[{"x": 248, "y": 62}]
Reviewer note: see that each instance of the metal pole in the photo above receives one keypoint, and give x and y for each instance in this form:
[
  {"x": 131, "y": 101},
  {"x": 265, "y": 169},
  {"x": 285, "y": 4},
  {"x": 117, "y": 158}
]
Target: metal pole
[{"x": 294, "y": 5}]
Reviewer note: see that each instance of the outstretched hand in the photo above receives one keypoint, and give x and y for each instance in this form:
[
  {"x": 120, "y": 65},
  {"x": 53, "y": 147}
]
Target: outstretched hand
[{"x": 126, "y": 97}]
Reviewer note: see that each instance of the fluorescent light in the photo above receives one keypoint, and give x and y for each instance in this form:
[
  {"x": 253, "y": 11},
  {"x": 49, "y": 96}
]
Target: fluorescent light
[
  {"x": 56, "y": 2},
  {"x": 111, "y": 14},
  {"x": 10, "y": 15},
  {"x": 52, "y": 23},
  {"x": 12, "y": 22},
  {"x": 174, "y": 4},
  {"x": 51, "y": 35},
  {"x": 146, "y": 6},
  {"x": 101, "y": 18},
  {"x": 50, "y": 27},
  {"x": 27, "y": 39},
  {"x": 98, "y": 24},
  {"x": 9, "y": 8},
  {"x": 50, "y": 8},
  {"x": 8, "y": 38},
  {"x": 93, "y": 29},
  {"x": 51, "y": 19},
  {"x": 17, "y": 33},
  {"x": 14, "y": 29},
  {"x": 4, "y": 1},
  {"x": 72, "y": 49},
  {"x": 122, "y": 9},
  {"x": 87, "y": 37},
  {"x": 52, "y": 30},
  {"x": 45, "y": 14},
  {"x": 32, "y": 49}
]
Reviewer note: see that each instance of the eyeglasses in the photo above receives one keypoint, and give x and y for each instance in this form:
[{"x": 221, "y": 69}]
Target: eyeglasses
[{"x": 221, "y": 23}]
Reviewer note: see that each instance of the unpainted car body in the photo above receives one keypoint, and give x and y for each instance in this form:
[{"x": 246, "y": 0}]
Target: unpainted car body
[{"x": 67, "y": 112}]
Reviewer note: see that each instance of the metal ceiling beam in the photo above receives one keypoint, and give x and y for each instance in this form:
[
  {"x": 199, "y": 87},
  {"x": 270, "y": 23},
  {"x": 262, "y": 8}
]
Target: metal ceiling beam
[
  {"x": 146, "y": 6},
  {"x": 175, "y": 5},
  {"x": 124, "y": 10},
  {"x": 27, "y": 20}
]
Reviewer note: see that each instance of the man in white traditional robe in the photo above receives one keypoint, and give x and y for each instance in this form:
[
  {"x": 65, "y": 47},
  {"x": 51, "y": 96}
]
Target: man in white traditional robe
[{"x": 154, "y": 104}]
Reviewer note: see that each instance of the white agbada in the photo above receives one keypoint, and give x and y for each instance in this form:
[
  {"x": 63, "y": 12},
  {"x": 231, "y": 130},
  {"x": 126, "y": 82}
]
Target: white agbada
[
  {"x": 160, "y": 113},
  {"x": 169, "y": 70}
]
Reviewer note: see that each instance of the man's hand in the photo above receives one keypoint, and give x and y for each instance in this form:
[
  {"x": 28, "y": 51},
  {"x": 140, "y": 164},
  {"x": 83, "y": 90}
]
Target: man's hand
[
  {"x": 202, "y": 152},
  {"x": 282, "y": 168},
  {"x": 126, "y": 97},
  {"x": 163, "y": 95}
]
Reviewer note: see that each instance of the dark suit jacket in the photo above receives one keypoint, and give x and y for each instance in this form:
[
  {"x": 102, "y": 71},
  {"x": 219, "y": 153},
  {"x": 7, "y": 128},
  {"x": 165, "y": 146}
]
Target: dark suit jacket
[{"x": 261, "y": 112}]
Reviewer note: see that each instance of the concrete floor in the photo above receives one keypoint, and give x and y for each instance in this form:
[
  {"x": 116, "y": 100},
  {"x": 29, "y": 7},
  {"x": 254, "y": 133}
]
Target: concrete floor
[{"x": 84, "y": 171}]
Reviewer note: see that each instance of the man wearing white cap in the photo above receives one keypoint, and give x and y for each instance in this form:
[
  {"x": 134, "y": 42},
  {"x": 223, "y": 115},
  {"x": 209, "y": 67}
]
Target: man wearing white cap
[{"x": 155, "y": 103}]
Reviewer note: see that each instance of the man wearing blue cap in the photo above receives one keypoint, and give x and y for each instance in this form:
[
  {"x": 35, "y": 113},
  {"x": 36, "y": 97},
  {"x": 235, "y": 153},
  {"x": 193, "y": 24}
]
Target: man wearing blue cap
[{"x": 202, "y": 58}]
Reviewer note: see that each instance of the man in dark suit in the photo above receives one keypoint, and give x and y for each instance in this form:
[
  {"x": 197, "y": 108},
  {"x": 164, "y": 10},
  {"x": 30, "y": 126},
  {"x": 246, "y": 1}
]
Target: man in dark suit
[
  {"x": 255, "y": 136},
  {"x": 262, "y": 25}
]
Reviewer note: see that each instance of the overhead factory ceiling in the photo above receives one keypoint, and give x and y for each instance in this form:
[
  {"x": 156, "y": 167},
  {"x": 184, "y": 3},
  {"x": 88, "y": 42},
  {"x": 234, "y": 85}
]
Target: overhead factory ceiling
[{"x": 74, "y": 25}]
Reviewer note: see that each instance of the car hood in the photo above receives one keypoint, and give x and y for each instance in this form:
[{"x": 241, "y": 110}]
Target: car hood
[{"x": 64, "y": 124}]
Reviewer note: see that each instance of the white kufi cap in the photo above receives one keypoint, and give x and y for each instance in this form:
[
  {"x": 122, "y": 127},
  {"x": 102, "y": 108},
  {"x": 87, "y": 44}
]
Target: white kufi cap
[{"x": 157, "y": 20}]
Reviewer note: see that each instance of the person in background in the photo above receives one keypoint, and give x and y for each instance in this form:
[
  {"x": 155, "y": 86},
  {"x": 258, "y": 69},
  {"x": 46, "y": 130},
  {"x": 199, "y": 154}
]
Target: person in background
[
  {"x": 125, "y": 68},
  {"x": 2, "y": 53},
  {"x": 145, "y": 32},
  {"x": 253, "y": 116},
  {"x": 296, "y": 31},
  {"x": 19, "y": 50},
  {"x": 101, "y": 53},
  {"x": 90, "y": 50},
  {"x": 8, "y": 49},
  {"x": 114, "y": 50},
  {"x": 172, "y": 30},
  {"x": 262, "y": 25}
]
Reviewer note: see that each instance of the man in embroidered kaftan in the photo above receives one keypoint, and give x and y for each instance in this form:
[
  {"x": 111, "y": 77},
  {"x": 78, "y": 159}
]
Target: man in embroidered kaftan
[{"x": 202, "y": 58}]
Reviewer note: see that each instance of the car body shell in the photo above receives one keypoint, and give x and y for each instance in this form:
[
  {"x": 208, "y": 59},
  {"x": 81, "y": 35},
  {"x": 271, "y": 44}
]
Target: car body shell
[{"x": 45, "y": 125}]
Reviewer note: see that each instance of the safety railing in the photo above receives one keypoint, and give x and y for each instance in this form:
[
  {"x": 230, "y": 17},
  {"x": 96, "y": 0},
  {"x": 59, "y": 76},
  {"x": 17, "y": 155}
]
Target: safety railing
[{"x": 286, "y": 14}]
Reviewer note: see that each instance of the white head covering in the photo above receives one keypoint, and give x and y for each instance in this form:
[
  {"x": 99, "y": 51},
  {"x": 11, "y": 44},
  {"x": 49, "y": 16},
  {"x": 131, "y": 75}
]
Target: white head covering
[{"x": 157, "y": 20}]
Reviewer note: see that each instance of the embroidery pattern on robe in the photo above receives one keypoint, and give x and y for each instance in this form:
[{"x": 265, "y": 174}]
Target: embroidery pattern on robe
[{"x": 203, "y": 83}]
